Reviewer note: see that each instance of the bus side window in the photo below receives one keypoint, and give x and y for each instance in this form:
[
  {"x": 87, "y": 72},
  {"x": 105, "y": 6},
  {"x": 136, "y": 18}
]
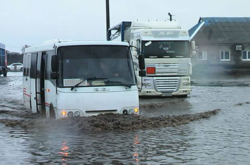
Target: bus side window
[
  {"x": 28, "y": 62},
  {"x": 48, "y": 67},
  {"x": 24, "y": 65},
  {"x": 138, "y": 43},
  {"x": 33, "y": 65},
  {"x": 48, "y": 64}
]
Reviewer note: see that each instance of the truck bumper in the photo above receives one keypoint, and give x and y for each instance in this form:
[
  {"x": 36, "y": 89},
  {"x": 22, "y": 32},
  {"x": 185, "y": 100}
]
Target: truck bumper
[{"x": 182, "y": 88}]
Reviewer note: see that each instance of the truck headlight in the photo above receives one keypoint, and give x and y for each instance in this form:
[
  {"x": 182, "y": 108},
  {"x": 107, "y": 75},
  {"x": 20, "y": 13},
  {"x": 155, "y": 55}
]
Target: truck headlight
[
  {"x": 186, "y": 84},
  {"x": 148, "y": 83},
  {"x": 182, "y": 71}
]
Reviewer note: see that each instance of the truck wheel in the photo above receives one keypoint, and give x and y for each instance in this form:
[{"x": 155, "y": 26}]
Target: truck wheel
[
  {"x": 52, "y": 113},
  {"x": 183, "y": 96}
]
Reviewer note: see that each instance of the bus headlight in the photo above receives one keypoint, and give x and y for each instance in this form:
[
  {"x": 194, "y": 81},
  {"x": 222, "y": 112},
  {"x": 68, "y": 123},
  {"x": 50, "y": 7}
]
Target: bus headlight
[
  {"x": 77, "y": 114},
  {"x": 64, "y": 113},
  {"x": 130, "y": 110},
  {"x": 136, "y": 110}
]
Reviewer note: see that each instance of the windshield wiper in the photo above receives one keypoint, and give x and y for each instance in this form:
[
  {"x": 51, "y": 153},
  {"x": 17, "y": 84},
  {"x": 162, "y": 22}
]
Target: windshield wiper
[
  {"x": 119, "y": 82},
  {"x": 84, "y": 79}
]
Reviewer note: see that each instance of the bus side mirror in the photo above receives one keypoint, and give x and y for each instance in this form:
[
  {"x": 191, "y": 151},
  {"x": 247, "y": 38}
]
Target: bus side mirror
[
  {"x": 54, "y": 64},
  {"x": 142, "y": 71}
]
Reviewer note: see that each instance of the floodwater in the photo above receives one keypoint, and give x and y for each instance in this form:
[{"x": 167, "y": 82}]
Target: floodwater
[{"x": 220, "y": 139}]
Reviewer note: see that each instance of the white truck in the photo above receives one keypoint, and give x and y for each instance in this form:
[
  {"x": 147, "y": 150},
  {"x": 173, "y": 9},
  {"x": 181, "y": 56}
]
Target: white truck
[
  {"x": 166, "y": 49},
  {"x": 70, "y": 79}
]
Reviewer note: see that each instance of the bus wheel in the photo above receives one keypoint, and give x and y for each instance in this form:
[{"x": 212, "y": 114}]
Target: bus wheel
[{"x": 52, "y": 113}]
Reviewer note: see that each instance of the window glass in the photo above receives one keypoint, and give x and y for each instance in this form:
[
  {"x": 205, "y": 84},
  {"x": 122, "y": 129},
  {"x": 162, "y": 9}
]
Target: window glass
[
  {"x": 202, "y": 55},
  {"x": 244, "y": 55},
  {"x": 169, "y": 49},
  {"x": 221, "y": 55},
  {"x": 111, "y": 63},
  {"x": 227, "y": 55},
  {"x": 199, "y": 55},
  {"x": 249, "y": 55}
]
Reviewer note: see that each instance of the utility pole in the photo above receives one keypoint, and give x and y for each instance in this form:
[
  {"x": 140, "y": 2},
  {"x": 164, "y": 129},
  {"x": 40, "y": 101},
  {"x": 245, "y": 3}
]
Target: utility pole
[
  {"x": 171, "y": 16},
  {"x": 107, "y": 17}
]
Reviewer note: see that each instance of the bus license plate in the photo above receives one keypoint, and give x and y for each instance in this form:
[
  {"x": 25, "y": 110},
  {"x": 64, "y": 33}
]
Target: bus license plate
[{"x": 166, "y": 94}]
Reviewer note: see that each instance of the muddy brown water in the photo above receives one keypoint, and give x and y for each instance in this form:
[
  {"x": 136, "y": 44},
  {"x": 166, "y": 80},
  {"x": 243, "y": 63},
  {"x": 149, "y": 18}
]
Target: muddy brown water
[{"x": 221, "y": 139}]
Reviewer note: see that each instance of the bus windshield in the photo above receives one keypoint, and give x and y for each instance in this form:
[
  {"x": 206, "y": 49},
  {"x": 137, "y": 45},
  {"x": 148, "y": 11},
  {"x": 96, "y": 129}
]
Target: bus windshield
[
  {"x": 95, "y": 65},
  {"x": 166, "y": 49}
]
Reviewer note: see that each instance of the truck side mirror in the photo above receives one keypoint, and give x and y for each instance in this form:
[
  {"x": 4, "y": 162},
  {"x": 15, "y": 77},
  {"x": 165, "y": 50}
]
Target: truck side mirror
[
  {"x": 141, "y": 62},
  {"x": 193, "y": 45},
  {"x": 142, "y": 71}
]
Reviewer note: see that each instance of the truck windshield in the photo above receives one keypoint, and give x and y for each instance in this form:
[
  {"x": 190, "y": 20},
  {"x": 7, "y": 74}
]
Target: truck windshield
[
  {"x": 166, "y": 49},
  {"x": 95, "y": 66}
]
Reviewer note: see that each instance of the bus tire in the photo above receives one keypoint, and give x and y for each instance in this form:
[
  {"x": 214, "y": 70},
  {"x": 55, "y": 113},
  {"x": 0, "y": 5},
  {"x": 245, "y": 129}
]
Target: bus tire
[{"x": 52, "y": 113}]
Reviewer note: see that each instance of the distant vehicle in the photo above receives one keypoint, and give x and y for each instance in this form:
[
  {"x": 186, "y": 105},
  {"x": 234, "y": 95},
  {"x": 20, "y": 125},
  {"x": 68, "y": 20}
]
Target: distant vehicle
[
  {"x": 3, "y": 60},
  {"x": 167, "y": 51},
  {"x": 15, "y": 67},
  {"x": 72, "y": 79}
]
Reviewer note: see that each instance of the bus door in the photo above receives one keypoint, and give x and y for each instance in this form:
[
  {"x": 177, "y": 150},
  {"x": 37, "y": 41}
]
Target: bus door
[
  {"x": 33, "y": 82},
  {"x": 26, "y": 81},
  {"x": 40, "y": 82}
]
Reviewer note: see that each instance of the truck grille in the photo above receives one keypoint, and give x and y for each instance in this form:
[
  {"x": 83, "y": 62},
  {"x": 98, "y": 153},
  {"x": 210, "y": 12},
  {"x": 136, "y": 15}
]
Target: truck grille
[
  {"x": 170, "y": 84},
  {"x": 171, "y": 69}
]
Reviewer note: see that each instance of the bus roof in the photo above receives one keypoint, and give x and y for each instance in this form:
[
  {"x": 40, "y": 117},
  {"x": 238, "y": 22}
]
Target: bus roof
[
  {"x": 50, "y": 46},
  {"x": 2, "y": 46}
]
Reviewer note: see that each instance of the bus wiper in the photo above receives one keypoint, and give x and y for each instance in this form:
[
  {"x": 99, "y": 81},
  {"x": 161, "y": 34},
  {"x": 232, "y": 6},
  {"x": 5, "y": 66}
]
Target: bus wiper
[
  {"x": 119, "y": 82},
  {"x": 84, "y": 79}
]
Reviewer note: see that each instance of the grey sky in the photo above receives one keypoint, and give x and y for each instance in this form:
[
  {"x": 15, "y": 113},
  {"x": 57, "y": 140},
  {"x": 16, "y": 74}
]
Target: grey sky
[{"x": 34, "y": 21}]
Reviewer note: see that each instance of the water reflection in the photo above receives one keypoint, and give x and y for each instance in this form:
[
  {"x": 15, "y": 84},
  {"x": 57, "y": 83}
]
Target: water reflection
[{"x": 136, "y": 153}]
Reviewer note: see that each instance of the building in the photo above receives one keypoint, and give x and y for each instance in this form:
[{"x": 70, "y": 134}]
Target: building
[{"x": 222, "y": 41}]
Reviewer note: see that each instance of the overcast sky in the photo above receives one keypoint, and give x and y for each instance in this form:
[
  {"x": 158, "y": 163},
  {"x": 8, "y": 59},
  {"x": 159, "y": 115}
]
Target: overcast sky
[{"x": 34, "y": 21}]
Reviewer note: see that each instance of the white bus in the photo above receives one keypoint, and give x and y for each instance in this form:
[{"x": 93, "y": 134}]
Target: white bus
[{"x": 71, "y": 79}]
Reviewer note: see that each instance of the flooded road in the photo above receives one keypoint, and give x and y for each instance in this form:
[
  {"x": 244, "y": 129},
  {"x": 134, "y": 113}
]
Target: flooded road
[{"x": 221, "y": 139}]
